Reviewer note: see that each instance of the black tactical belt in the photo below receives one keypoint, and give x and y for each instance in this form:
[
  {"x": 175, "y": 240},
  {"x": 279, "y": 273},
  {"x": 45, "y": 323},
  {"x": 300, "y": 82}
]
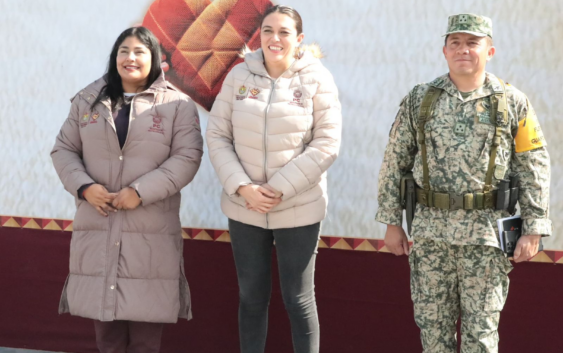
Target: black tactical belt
[{"x": 451, "y": 201}]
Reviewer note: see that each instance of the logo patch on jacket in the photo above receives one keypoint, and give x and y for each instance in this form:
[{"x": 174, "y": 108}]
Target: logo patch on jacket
[
  {"x": 253, "y": 93},
  {"x": 85, "y": 119},
  {"x": 242, "y": 93},
  {"x": 95, "y": 117},
  {"x": 297, "y": 94},
  {"x": 483, "y": 112},
  {"x": 157, "y": 125}
]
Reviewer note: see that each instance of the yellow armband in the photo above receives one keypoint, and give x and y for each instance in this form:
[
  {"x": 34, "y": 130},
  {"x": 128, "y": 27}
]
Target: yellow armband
[{"x": 530, "y": 135}]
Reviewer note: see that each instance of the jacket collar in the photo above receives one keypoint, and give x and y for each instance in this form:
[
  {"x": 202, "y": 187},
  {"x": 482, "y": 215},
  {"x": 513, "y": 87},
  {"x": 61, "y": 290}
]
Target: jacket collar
[
  {"x": 307, "y": 56},
  {"x": 94, "y": 89},
  {"x": 489, "y": 88}
]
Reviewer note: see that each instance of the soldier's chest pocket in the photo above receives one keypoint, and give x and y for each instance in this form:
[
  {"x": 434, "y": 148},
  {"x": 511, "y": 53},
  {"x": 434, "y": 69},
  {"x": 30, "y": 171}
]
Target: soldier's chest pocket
[{"x": 437, "y": 136}]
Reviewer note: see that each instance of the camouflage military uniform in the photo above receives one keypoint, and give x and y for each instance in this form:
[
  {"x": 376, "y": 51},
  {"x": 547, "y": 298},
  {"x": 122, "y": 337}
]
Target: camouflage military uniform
[{"x": 456, "y": 262}]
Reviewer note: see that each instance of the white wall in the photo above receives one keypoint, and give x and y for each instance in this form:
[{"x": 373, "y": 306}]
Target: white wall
[{"x": 377, "y": 50}]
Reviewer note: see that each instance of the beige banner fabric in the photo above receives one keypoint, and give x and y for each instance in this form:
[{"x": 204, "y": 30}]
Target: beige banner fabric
[{"x": 377, "y": 51}]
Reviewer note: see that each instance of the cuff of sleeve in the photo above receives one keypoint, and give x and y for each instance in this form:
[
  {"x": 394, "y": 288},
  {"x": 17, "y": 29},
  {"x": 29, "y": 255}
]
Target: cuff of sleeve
[
  {"x": 537, "y": 226},
  {"x": 147, "y": 198},
  {"x": 281, "y": 184},
  {"x": 390, "y": 216},
  {"x": 80, "y": 191},
  {"x": 79, "y": 181},
  {"x": 234, "y": 182}
]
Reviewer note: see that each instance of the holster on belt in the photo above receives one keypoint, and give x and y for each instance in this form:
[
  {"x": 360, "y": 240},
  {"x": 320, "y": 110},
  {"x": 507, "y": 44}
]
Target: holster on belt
[
  {"x": 408, "y": 198},
  {"x": 514, "y": 193},
  {"x": 507, "y": 196}
]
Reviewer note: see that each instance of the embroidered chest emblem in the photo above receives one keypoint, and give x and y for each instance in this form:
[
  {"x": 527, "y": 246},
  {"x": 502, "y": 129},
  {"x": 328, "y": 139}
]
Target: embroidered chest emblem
[
  {"x": 85, "y": 119},
  {"x": 242, "y": 93},
  {"x": 297, "y": 94},
  {"x": 253, "y": 93},
  {"x": 95, "y": 117},
  {"x": 483, "y": 112},
  {"x": 157, "y": 125}
]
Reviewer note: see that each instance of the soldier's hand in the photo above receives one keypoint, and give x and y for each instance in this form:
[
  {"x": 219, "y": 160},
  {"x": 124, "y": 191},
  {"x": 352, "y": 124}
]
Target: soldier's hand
[
  {"x": 527, "y": 247},
  {"x": 396, "y": 240}
]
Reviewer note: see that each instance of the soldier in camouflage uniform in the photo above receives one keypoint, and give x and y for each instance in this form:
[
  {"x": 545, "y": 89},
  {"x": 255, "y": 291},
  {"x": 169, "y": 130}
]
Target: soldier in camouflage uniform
[{"x": 456, "y": 263}]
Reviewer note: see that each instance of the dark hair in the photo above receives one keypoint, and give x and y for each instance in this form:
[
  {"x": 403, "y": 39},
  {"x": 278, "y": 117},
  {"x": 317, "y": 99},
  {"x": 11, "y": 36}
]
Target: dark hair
[
  {"x": 288, "y": 11},
  {"x": 489, "y": 41},
  {"x": 114, "y": 88}
]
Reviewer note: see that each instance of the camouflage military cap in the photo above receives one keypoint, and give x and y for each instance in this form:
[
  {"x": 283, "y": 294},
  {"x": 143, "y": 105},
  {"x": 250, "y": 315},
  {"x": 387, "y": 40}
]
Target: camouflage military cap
[{"x": 480, "y": 26}]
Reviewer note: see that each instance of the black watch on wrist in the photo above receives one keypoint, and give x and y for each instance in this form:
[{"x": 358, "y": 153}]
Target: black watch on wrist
[{"x": 139, "y": 195}]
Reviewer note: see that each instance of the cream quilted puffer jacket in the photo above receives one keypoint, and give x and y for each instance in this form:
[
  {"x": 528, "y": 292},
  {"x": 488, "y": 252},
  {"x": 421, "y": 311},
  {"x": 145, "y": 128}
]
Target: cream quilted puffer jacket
[{"x": 285, "y": 132}]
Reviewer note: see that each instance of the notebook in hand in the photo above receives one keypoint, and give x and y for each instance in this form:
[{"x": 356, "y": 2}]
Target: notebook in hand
[{"x": 509, "y": 231}]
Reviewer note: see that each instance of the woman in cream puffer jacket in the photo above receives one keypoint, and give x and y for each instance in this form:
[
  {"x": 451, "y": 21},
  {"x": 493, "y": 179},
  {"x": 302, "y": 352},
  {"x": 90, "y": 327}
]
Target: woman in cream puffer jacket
[
  {"x": 284, "y": 132},
  {"x": 273, "y": 132}
]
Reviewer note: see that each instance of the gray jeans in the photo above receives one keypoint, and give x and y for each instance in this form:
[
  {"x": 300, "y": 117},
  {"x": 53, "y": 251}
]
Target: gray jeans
[{"x": 296, "y": 250}]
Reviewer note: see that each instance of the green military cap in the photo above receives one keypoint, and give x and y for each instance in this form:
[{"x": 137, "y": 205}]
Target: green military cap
[{"x": 480, "y": 26}]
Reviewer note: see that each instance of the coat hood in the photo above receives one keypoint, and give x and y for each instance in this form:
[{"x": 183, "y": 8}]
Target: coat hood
[{"x": 305, "y": 56}]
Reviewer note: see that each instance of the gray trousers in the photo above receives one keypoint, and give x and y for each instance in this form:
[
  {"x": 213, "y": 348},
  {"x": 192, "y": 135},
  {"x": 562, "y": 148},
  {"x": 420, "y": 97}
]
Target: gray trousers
[{"x": 296, "y": 250}]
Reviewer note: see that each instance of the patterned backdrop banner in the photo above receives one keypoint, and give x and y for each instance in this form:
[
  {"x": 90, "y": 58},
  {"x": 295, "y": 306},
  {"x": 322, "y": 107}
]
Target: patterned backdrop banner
[{"x": 377, "y": 51}]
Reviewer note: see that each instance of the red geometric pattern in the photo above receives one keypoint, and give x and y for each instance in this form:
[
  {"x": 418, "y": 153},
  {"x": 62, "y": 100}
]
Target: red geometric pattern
[
  {"x": 222, "y": 235},
  {"x": 202, "y": 40}
]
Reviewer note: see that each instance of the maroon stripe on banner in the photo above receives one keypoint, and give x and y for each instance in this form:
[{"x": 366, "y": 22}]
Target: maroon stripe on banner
[{"x": 363, "y": 299}]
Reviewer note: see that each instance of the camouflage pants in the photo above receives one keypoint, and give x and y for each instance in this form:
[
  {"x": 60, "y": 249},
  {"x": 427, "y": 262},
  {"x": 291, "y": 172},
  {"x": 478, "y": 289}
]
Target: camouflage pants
[{"x": 448, "y": 279}]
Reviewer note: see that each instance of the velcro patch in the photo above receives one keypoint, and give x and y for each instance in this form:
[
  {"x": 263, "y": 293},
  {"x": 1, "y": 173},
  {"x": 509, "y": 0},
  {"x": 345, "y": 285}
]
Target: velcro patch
[
  {"x": 500, "y": 171},
  {"x": 530, "y": 135}
]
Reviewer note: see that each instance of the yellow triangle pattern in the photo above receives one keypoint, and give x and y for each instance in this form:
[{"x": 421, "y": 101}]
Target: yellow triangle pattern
[
  {"x": 541, "y": 257},
  {"x": 11, "y": 223},
  {"x": 203, "y": 236},
  {"x": 32, "y": 225},
  {"x": 341, "y": 244},
  {"x": 225, "y": 238},
  {"x": 52, "y": 226},
  {"x": 365, "y": 246},
  {"x": 384, "y": 249}
]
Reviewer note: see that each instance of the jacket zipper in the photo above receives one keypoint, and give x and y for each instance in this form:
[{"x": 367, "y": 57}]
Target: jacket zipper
[
  {"x": 266, "y": 127},
  {"x": 128, "y": 125},
  {"x": 266, "y": 137}
]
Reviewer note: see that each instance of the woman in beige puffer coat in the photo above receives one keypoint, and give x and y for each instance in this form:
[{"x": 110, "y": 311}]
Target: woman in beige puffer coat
[
  {"x": 273, "y": 132},
  {"x": 130, "y": 144}
]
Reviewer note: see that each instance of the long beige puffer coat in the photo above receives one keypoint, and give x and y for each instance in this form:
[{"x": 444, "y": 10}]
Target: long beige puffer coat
[
  {"x": 284, "y": 132},
  {"x": 129, "y": 266}
]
